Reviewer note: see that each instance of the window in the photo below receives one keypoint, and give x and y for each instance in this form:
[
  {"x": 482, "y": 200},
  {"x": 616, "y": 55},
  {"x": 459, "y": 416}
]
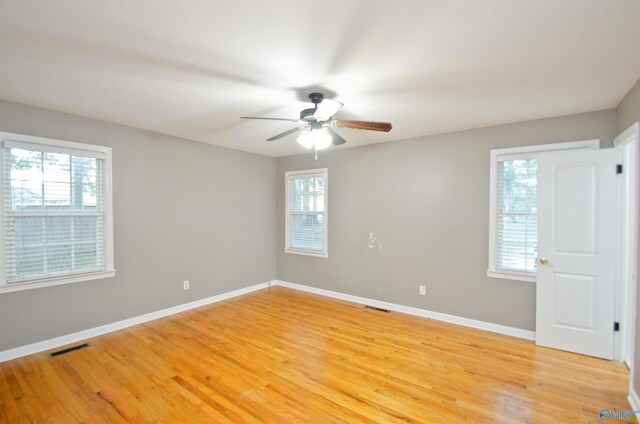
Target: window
[
  {"x": 517, "y": 216},
  {"x": 513, "y": 227},
  {"x": 55, "y": 212},
  {"x": 306, "y": 212}
]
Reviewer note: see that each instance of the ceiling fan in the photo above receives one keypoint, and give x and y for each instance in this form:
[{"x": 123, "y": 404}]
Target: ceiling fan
[{"x": 318, "y": 121}]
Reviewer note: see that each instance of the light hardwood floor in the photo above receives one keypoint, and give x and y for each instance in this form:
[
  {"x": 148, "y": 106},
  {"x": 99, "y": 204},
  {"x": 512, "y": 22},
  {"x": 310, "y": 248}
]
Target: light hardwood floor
[{"x": 284, "y": 356}]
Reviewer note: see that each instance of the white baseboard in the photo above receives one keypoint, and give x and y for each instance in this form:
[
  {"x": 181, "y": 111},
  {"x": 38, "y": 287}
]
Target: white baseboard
[
  {"x": 108, "y": 328},
  {"x": 467, "y": 322},
  {"x": 633, "y": 399}
]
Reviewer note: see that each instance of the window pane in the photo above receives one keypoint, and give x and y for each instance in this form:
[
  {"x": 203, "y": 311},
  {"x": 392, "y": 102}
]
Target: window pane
[
  {"x": 84, "y": 183},
  {"x": 26, "y": 179},
  {"x": 29, "y": 230},
  {"x": 306, "y": 207},
  {"x": 58, "y": 258},
  {"x": 56, "y": 176},
  {"x": 518, "y": 243},
  {"x": 54, "y": 181},
  {"x": 85, "y": 256},
  {"x": 517, "y": 237},
  {"x": 306, "y": 232},
  {"x": 55, "y": 220},
  {"x": 519, "y": 186},
  {"x": 57, "y": 229},
  {"x": 29, "y": 260},
  {"x": 85, "y": 228},
  {"x": 307, "y": 194}
]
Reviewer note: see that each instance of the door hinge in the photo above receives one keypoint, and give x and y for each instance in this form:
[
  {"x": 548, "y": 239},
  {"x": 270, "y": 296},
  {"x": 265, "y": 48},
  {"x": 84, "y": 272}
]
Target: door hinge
[
  {"x": 616, "y": 326},
  {"x": 619, "y": 168}
]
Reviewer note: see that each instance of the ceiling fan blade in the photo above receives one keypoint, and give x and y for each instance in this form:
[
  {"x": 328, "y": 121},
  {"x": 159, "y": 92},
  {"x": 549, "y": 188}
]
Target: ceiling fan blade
[
  {"x": 326, "y": 109},
  {"x": 337, "y": 138},
  {"x": 270, "y": 119},
  {"x": 286, "y": 133},
  {"x": 363, "y": 125}
]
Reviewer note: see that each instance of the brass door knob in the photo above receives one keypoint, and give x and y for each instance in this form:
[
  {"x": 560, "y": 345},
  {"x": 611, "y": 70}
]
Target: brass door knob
[{"x": 543, "y": 261}]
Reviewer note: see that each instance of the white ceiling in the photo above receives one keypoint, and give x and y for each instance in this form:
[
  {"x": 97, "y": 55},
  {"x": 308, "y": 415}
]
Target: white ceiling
[{"x": 192, "y": 68}]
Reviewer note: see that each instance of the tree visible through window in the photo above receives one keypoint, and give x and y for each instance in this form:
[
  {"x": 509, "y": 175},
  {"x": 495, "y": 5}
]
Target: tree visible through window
[{"x": 517, "y": 220}]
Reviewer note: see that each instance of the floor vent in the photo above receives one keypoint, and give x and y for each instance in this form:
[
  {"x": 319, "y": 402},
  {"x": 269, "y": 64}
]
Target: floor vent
[
  {"x": 67, "y": 350},
  {"x": 377, "y": 309}
]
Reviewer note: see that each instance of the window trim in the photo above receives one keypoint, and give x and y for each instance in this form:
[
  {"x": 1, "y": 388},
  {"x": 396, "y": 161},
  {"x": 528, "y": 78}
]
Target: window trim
[
  {"x": 512, "y": 153},
  {"x": 100, "y": 152},
  {"x": 292, "y": 174}
]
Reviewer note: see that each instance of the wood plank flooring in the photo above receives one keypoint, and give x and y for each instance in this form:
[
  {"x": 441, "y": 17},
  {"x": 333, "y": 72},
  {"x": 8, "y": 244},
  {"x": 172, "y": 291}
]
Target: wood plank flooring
[{"x": 284, "y": 356}]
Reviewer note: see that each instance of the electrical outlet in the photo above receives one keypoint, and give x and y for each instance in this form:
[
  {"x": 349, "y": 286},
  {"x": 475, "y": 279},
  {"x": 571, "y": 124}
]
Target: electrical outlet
[
  {"x": 185, "y": 284},
  {"x": 423, "y": 290}
]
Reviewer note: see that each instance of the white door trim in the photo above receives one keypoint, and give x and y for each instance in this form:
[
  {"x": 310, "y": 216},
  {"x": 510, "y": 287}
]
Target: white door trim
[{"x": 627, "y": 145}]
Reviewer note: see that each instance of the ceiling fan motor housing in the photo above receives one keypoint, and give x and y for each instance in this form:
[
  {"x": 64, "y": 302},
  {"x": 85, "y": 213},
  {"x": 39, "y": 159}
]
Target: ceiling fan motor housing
[
  {"x": 307, "y": 114},
  {"x": 316, "y": 98}
]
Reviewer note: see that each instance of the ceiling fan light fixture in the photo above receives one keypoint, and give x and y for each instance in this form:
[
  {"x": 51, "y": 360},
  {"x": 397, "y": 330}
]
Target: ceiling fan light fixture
[
  {"x": 319, "y": 139},
  {"x": 305, "y": 139},
  {"x": 322, "y": 139}
]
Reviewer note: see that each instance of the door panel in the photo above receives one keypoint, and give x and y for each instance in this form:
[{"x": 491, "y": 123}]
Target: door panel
[
  {"x": 576, "y": 238},
  {"x": 574, "y": 301},
  {"x": 574, "y": 218}
]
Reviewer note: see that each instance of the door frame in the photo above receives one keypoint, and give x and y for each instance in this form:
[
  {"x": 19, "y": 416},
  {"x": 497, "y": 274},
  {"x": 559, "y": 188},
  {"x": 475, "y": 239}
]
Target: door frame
[{"x": 627, "y": 146}]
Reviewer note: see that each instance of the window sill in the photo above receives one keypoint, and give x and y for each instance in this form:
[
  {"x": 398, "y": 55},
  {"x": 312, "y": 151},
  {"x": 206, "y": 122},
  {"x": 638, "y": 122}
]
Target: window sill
[
  {"x": 511, "y": 276},
  {"x": 307, "y": 253},
  {"x": 49, "y": 282}
]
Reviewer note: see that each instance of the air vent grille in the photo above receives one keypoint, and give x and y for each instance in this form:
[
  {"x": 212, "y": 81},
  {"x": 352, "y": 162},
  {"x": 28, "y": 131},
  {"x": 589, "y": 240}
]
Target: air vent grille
[
  {"x": 67, "y": 350},
  {"x": 377, "y": 309}
]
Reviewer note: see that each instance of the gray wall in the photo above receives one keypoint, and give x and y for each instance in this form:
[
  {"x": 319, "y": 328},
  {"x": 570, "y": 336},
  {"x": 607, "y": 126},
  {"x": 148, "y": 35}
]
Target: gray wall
[
  {"x": 628, "y": 112},
  {"x": 426, "y": 202},
  {"x": 182, "y": 210}
]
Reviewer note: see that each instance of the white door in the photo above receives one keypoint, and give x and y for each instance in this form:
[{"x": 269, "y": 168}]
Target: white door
[{"x": 576, "y": 251}]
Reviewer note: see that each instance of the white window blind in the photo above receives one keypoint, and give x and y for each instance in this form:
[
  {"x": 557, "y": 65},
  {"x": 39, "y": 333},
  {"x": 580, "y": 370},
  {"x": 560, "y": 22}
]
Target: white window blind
[
  {"x": 306, "y": 204},
  {"x": 54, "y": 211},
  {"x": 517, "y": 220}
]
